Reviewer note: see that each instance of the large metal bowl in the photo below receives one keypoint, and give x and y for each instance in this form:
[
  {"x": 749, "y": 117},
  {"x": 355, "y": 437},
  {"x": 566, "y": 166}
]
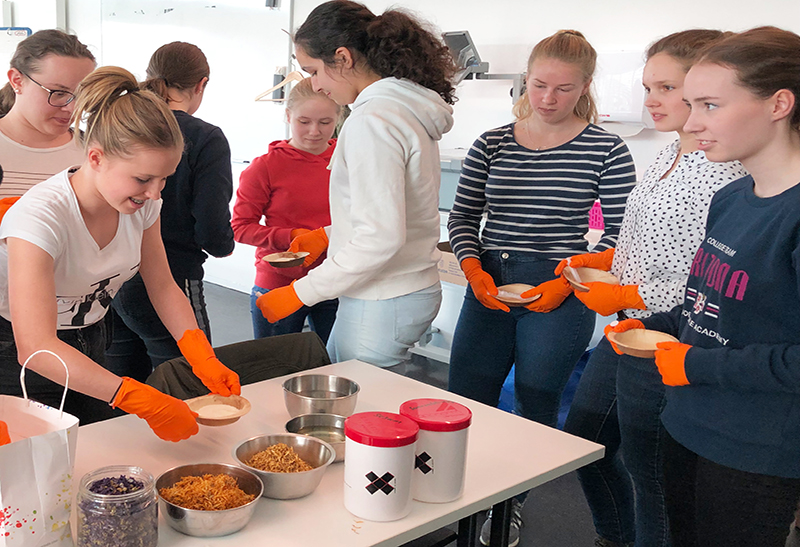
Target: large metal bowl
[
  {"x": 328, "y": 427},
  {"x": 287, "y": 486},
  {"x": 320, "y": 394},
  {"x": 198, "y": 523}
]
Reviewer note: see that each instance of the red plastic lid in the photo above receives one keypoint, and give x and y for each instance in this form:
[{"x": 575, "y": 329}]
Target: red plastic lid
[
  {"x": 383, "y": 429},
  {"x": 437, "y": 414}
]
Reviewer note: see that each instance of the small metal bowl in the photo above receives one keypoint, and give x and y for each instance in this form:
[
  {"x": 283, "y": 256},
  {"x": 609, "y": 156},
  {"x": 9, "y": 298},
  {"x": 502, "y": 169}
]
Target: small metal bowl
[
  {"x": 198, "y": 523},
  {"x": 327, "y": 427},
  {"x": 287, "y": 486},
  {"x": 320, "y": 394}
]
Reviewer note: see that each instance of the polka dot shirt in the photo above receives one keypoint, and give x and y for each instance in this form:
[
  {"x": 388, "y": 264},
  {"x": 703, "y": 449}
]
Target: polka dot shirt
[{"x": 664, "y": 224}]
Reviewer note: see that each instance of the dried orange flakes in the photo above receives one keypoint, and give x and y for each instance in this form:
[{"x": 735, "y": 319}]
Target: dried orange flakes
[
  {"x": 207, "y": 493},
  {"x": 278, "y": 458}
]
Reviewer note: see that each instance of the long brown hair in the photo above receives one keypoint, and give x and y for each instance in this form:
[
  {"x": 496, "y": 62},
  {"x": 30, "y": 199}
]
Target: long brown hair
[
  {"x": 765, "y": 59},
  {"x": 392, "y": 44},
  {"x": 177, "y": 65},
  {"x": 569, "y": 46},
  {"x": 119, "y": 115},
  {"x": 33, "y": 49}
]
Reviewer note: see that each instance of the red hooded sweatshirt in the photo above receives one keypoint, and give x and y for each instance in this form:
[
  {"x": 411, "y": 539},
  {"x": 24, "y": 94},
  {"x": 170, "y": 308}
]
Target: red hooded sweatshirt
[{"x": 288, "y": 188}]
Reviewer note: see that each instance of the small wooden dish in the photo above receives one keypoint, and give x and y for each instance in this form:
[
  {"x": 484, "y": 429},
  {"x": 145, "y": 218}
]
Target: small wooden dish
[
  {"x": 286, "y": 259},
  {"x": 239, "y": 406},
  {"x": 578, "y": 276},
  {"x": 509, "y": 294},
  {"x": 639, "y": 342}
]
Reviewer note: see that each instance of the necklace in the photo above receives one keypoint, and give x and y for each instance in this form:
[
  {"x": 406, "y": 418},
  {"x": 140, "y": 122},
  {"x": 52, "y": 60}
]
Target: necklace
[{"x": 528, "y": 134}]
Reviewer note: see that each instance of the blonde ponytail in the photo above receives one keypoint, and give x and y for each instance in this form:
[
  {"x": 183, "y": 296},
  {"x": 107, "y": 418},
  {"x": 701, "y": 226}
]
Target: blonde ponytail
[{"x": 118, "y": 115}]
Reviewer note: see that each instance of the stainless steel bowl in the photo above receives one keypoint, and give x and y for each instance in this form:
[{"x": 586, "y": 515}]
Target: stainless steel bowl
[
  {"x": 320, "y": 394},
  {"x": 198, "y": 523},
  {"x": 328, "y": 427},
  {"x": 287, "y": 486}
]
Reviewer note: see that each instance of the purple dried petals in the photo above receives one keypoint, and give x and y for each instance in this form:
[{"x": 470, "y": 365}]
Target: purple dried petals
[
  {"x": 118, "y": 511},
  {"x": 116, "y": 485}
]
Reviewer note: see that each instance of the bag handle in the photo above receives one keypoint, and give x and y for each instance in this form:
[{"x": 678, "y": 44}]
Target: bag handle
[{"x": 22, "y": 377}]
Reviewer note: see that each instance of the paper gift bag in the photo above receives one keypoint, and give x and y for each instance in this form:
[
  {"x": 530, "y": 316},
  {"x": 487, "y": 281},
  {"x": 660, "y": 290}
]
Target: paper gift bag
[{"x": 36, "y": 474}]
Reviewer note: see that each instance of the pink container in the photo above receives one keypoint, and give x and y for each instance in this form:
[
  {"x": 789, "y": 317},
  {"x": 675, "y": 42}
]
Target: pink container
[{"x": 596, "y": 217}]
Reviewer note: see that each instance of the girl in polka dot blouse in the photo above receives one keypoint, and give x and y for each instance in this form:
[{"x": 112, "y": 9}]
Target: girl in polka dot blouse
[{"x": 619, "y": 400}]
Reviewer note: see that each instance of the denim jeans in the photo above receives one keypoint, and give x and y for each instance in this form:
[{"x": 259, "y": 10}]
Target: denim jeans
[
  {"x": 320, "y": 318},
  {"x": 711, "y": 505},
  {"x": 89, "y": 340},
  {"x": 618, "y": 404},
  {"x": 544, "y": 346},
  {"x": 140, "y": 341},
  {"x": 382, "y": 331}
]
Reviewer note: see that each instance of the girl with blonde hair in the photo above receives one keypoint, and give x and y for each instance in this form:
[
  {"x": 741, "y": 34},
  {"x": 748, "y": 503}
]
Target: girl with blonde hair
[{"x": 70, "y": 242}]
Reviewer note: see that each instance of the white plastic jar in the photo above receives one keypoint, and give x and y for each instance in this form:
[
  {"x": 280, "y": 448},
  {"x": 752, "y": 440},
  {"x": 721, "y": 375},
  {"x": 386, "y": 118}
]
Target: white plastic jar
[
  {"x": 441, "y": 457},
  {"x": 378, "y": 463}
]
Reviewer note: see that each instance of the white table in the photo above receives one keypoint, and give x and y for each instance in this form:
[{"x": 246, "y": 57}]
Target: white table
[{"x": 507, "y": 455}]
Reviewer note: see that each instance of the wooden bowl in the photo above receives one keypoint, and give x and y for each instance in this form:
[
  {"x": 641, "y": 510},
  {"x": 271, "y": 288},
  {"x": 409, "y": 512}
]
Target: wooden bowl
[
  {"x": 216, "y": 410},
  {"x": 639, "y": 342},
  {"x": 286, "y": 259},
  {"x": 578, "y": 276},
  {"x": 509, "y": 294}
]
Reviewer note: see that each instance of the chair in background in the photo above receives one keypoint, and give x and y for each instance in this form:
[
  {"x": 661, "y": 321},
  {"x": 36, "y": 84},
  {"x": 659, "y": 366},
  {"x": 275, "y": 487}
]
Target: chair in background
[{"x": 253, "y": 361}]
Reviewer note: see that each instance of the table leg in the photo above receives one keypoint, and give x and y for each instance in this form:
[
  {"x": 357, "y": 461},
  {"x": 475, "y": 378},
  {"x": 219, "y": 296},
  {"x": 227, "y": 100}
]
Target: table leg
[
  {"x": 468, "y": 531},
  {"x": 501, "y": 523}
]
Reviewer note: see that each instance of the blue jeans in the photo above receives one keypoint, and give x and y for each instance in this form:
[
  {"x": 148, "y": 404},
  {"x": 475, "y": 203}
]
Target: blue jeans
[
  {"x": 382, "y": 331},
  {"x": 544, "y": 346},
  {"x": 320, "y": 318},
  {"x": 618, "y": 404},
  {"x": 141, "y": 342}
]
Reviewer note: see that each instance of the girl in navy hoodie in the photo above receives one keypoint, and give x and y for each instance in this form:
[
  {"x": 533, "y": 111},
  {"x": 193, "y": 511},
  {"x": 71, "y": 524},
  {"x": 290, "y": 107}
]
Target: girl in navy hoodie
[{"x": 288, "y": 188}]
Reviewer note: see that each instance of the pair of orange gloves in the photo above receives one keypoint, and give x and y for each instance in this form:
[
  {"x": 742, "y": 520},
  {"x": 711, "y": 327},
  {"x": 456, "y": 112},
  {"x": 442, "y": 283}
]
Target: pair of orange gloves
[
  {"x": 283, "y": 301},
  {"x": 603, "y": 298},
  {"x": 168, "y": 417}
]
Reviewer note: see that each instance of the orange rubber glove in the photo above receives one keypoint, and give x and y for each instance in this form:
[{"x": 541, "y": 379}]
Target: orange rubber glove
[
  {"x": 5, "y": 205},
  {"x": 553, "y": 292},
  {"x": 621, "y": 326},
  {"x": 297, "y": 232},
  {"x": 606, "y": 299},
  {"x": 600, "y": 261},
  {"x": 482, "y": 284},
  {"x": 168, "y": 417},
  {"x": 215, "y": 376},
  {"x": 314, "y": 242},
  {"x": 5, "y": 438},
  {"x": 279, "y": 303},
  {"x": 671, "y": 363}
]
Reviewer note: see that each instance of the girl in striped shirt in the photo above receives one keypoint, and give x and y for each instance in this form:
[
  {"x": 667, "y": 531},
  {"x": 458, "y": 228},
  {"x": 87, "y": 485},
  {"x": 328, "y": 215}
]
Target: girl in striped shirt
[{"x": 536, "y": 179}]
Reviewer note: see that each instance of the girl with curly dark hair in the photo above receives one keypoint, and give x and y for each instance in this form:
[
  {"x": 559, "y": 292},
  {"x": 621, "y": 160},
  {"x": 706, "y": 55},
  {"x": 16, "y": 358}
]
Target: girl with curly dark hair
[{"x": 384, "y": 185}]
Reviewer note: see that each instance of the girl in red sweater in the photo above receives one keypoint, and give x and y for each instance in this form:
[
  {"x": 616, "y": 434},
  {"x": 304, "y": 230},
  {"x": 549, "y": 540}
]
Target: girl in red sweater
[{"x": 288, "y": 188}]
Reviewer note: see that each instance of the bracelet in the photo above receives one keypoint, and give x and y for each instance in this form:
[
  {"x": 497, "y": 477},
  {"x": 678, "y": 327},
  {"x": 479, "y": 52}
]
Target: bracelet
[{"x": 113, "y": 397}]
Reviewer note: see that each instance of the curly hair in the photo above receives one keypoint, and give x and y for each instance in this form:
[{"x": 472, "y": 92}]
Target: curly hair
[{"x": 394, "y": 44}]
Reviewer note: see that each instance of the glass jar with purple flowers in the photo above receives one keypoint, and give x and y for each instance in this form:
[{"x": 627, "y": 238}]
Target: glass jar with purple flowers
[{"x": 117, "y": 507}]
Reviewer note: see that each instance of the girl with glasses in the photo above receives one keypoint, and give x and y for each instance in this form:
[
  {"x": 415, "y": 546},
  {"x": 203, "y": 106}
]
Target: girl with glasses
[{"x": 36, "y": 104}]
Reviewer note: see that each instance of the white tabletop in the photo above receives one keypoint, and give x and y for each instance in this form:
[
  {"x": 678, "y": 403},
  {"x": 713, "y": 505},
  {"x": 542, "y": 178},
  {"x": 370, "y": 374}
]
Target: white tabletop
[{"x": 507, "y": 455}]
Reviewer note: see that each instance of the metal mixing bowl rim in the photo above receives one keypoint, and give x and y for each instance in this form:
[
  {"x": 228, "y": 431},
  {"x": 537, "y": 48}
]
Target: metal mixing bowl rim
[
  {"x": 208, "y": 511},
  {"x": 255, "y": 470},
  {"x": 287, "y": 390}
]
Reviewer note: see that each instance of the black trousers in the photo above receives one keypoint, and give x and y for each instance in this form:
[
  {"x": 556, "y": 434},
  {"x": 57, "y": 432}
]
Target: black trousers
[
  {"x": 91, "y": 341},
  {"x": 712, "y": 505}
]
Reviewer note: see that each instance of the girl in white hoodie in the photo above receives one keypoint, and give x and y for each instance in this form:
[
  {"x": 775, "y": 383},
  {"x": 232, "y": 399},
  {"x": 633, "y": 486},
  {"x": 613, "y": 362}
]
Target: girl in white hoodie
[{"x": 384, "y": 186}]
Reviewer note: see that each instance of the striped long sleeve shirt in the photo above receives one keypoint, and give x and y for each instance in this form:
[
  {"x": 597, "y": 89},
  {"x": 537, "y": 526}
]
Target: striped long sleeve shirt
[{"x": 539, "y": 201}]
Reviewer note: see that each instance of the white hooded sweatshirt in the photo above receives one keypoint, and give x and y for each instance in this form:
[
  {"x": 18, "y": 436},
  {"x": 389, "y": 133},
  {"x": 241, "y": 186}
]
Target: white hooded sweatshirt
[{"x": 384, "y": 196}]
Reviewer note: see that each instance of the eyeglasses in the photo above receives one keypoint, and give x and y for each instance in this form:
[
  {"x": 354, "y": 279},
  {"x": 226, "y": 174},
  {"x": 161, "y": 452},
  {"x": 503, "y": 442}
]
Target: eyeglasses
[{"x": 57, "y": 97}]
